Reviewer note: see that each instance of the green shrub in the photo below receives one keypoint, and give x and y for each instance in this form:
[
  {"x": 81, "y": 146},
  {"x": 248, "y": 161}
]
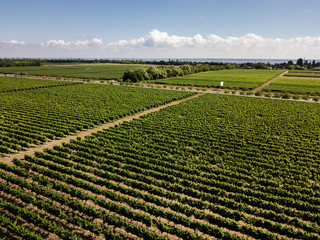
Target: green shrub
[
  {"x": 305, "y": 97},
  {"x": 277, "y": 95},
  {"x": 296, "y": 97},
  {"x": 285, "y": 96}
]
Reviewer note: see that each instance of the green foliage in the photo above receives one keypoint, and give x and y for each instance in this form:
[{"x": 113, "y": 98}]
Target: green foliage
[
  {"x": 295, "y": 86},
  {"x": 285, "y": 95},
  {"x": 86, "y": 71},
  {"x": 300, "y": 62},
  {"x": 7, "y": 62},
  {"x": 137, "y": 75},
  {"x": 305, "y": 97},
  {"x": 260, "y": 65},
  {"x": 304, "y": 73},
  {"x": 8, "y": 84},
  {"x": 296, "y": 97},
  {"x": 33, "y": 116},
  {"x": 216, "y": 166},
  {"x": 277, "y": 95},
  {"x": 161, "y": 72},
  {"x": 235, "y": 78},
  {"x": 294, "y": 67}
]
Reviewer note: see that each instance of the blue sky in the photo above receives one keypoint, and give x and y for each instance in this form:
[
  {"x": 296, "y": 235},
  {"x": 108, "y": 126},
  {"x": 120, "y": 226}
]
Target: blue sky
[{"x": 94, "y": 28}]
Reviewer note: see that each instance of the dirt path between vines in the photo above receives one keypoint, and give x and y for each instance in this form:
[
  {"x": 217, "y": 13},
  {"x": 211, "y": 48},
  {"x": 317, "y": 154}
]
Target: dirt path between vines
[
  {"x": 84, "y": 133},
  {"x": 268, "y": 82}
]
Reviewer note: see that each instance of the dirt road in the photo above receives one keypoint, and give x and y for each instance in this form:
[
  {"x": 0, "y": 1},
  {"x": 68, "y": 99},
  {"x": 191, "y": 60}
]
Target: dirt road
[
  {"x": 268, "y": 82},
  {"x": 82, "y": 134}
]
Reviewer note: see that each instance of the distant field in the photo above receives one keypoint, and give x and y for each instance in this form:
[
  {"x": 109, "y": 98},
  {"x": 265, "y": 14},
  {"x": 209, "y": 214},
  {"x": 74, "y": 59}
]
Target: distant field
[
  {"x": 235, "y": 78},
  {"x": 295, "y": 85},
  {"x": 87, "y": 71},
  {"x": 303, "y": 73},
  {"x": 12, "y": 83}
]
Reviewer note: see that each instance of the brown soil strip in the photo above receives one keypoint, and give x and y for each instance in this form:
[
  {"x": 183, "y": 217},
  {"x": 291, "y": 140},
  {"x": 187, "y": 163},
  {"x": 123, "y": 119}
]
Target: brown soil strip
[
  {"x": 82, "y": 134},
  {"x": 268, "y": 82}
]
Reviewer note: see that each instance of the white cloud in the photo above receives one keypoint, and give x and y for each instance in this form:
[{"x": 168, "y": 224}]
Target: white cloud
[
  {"x": 250, "y": 45},
  {"x": 95, "y": 42},
  {"x": 11, "y": 43},
  {"x": 157, "y": 39},
  {"x": 157, "y": 44}
]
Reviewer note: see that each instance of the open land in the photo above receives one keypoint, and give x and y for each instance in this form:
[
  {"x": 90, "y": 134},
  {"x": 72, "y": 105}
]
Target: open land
[
  {"x": 303, "y": 73},
  {"x": 295, "y": 85},
  {"x": 233, "y": 78},
  {"x": 85, "y": 71},
  {"x": 192, "y": 166}
]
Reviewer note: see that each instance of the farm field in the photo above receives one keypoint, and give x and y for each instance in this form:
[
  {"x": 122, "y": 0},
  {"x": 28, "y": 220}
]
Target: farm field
[
  {"x": 246, "y": 79},
  {"x": 303, "y": 73},
  {"x": 295, "y": 86},
  {"x": 216, "y": 166},
  {"x": 36, "y": 115},
  {"x": 86, "y": 71},
  {"x": 19, "y": 84}
]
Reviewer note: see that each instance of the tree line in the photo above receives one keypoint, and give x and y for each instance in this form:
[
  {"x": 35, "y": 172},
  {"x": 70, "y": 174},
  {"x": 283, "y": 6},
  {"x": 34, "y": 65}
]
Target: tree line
[
  {"x": 21, "y": 62},
  {"x": 161, "y": 72}
]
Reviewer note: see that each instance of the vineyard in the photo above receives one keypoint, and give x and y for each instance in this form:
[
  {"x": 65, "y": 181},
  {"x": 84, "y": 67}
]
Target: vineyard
[
  {"x": 295, "y": 85},
  {"x": 303, "y": 73},
  {"x": 214, "y": 167},
  {"x": 36, "y": 115},
  {"x": 236, "y": 78},
  {"x": 86, "y": 71},
  {"x": 8, "y": 84}
]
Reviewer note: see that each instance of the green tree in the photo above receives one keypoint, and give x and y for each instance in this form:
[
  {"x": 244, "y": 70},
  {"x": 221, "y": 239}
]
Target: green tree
[
  {"x": 260, "y": 65},
  {"x": 300, "y": 62}
]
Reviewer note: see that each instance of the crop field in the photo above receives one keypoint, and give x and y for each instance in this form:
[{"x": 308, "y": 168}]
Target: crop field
[
  {"x": 303, "y": 73},
  {"x": 235, "y": 78},
  {"x": 36, "y": 115},
  {"x": 214, "y": 167},
  {"x": 8, "y": 84},
  {"x": 295, "y": 85},
  {"x": 86, "y": 71}
]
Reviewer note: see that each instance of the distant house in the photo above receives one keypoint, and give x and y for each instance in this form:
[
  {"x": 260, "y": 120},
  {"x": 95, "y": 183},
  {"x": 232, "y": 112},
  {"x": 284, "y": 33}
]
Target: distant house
[{"x": 317, "y": 68}]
